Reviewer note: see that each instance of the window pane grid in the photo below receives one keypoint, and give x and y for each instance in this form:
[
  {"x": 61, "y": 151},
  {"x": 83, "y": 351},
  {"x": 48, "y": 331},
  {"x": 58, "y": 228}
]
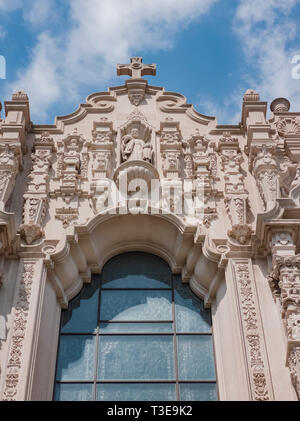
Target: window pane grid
[
  {"x": 178, "y": 363},
  {"x": 134, "y": 381}
]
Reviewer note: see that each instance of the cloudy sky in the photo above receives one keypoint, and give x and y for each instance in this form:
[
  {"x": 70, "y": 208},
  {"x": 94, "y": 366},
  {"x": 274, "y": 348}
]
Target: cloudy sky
[{"x": 60, "y": 51}]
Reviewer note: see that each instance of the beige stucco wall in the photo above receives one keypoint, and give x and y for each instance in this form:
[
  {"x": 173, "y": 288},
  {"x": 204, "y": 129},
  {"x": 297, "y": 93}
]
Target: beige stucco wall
[{"x": 55, "y": 232}]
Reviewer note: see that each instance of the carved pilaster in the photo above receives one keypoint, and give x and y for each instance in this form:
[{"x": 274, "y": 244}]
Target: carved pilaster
[
  {"x": 102, "y": 148},
  {"x": 171, "y": 148},
  {"x": 200, "y": 164},
  {"x": 72, "y": 171},
  {"x": 236, "y": 196},
  {"x": 255, "y": 350},
  {"x": 8, "y": 172},
  {"x": 15, "y": 357},
  {"x": 36, "y": 196}
]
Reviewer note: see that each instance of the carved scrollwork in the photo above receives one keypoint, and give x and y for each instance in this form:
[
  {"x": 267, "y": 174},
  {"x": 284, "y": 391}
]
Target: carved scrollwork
[
  {"x": 103, "y": 101},
  {"x": 284, "y": 281},
  {"x": 294, "y": 366},
  {"x": 253, "y": 340}
]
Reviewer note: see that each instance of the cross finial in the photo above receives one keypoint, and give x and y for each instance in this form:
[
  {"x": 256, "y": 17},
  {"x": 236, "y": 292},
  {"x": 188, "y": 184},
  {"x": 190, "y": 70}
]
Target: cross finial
[{"x": 136, "y": 68}]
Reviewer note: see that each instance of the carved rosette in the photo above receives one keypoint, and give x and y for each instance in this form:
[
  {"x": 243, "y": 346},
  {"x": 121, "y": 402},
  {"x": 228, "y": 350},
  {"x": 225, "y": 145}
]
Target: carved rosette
[
  {"x": 14, "y": 364},
  {"x": 251, "y": 326},
  {"x": 288, "y": 126}
]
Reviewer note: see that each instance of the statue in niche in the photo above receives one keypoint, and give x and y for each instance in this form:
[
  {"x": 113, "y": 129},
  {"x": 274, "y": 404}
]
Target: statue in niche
[{"x": 133, "y": 148}]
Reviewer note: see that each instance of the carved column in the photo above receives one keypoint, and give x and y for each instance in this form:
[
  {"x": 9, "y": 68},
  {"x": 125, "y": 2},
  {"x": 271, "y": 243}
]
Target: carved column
[
  {"x": 102, "y": 152},
  {"x": 172, "y": 157},
  {"x": 284, "y": 281},
  {"x": 201, "y": 165},
  {"x": 251, "y": 326},
  {"x": 37, "y": 194},
  {"x": 72, "y": 170}
]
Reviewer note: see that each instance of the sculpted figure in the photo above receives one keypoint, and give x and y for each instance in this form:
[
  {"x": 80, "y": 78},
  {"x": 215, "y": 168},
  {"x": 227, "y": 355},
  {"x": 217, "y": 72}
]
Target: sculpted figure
[{"x": 134, "y": 148}]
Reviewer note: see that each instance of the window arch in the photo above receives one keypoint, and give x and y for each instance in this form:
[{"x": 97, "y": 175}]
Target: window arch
[{"x": 135, "y": 333}]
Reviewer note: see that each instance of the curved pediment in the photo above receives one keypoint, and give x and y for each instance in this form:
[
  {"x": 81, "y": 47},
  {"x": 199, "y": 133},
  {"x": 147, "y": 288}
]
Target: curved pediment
[
  {"x": 85, "y": 250},
  {"x": 109, "y": 102}
]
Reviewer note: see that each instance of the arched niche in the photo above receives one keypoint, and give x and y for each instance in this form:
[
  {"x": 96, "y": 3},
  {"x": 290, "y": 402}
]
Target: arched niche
[{"x": 86, "y": 248}]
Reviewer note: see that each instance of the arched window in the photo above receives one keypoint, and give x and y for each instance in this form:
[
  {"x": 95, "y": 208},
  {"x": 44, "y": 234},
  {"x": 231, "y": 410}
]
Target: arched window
[{"x": 135, "y": 333}]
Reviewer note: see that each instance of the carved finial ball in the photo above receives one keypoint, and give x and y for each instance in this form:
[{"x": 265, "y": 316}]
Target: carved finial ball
[
  {"x": 280, "y": 105},
  {"x": 251, "y": 95},
  {"x": 19, "y": 96}
]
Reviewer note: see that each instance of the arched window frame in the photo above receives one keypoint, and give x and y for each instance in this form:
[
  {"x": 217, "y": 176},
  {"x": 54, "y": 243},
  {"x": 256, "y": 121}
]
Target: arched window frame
[{"x": 178, "y": 381}]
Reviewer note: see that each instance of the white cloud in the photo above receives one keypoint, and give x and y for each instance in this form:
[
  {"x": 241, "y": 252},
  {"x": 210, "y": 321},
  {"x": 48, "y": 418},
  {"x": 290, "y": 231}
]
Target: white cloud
[
  {"x": 8, "y": 6},
  {"x": 36, "y": 12},
  {"x": 103, "y": 33},
  {"x": 268, "y": 31},
  {"x": 41, "y": 79},
  {"x": 226, "y": 110}
]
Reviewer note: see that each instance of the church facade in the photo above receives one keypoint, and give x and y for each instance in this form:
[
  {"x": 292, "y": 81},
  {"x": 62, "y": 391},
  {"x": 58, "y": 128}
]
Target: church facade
[{"x": 138, "y": 169}]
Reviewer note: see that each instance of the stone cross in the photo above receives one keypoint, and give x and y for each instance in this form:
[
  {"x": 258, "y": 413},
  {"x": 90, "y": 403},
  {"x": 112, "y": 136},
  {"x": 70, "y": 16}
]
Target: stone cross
[{"x": 136, "y": 69}]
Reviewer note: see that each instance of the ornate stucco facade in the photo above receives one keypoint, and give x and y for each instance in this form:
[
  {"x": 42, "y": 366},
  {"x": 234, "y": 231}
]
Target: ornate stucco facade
[{"x": 230, "y": 227}]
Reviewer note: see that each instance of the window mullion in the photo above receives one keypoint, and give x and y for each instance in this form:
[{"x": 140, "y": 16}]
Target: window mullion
[{"x": 175, "y": 342}]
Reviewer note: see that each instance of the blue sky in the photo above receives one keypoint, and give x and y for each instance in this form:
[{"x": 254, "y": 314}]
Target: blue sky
[{"x": 60, "y": 51}]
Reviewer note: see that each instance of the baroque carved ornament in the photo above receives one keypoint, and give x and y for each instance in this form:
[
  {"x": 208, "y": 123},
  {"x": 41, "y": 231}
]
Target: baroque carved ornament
[
  {"x": 14, "y": 364},
  {"x": 284, "y": 281},
  {"x": 254, "y": 345}
]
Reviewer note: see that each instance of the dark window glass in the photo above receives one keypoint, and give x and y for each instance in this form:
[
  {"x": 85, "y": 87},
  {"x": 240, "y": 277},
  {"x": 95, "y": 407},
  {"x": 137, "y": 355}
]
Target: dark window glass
[{"x": 135, "y": 333}]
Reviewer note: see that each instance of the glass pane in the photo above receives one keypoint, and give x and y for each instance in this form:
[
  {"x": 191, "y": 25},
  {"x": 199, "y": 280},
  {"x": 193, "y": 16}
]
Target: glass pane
[
  {"x": 190, "y": 313},
  {"x": 136, "y": 358},
  {"x": 136, "y": 270},
  {"x": 73, "y": 392},
  {"x": 75, "y": 358},
  {"x": 136, "y": 305},
  {"x": 136, "y": 392},
  {"x": 136, "y": 328},
  {"x": 195, "y": 356},
  {"x": 81, "y": 315},
  {"x": 198, "y": 392}
]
